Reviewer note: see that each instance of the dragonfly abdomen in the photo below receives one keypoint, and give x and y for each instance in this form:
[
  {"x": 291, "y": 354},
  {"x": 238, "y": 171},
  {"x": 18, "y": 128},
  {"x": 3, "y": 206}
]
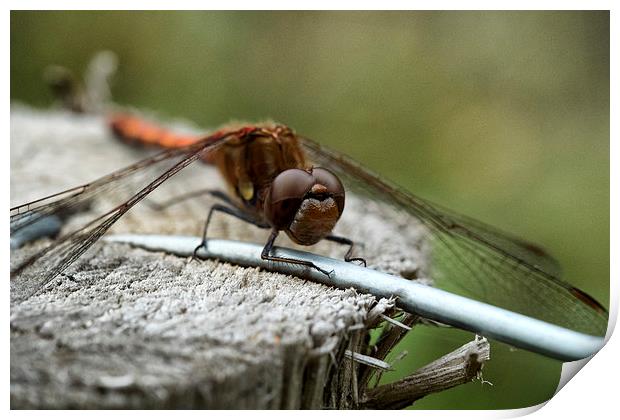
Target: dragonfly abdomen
[{"x": 135, "y": 130}]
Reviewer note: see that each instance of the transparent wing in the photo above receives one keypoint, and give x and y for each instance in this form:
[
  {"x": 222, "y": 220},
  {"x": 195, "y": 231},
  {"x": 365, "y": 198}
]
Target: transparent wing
[
  {"x": 476, "y": 260},
  {"x": 93, "y": 208}
]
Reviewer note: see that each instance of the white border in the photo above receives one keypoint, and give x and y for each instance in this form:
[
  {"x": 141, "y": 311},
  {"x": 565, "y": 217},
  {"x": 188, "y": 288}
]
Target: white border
[{"x": 590, "y": 395}]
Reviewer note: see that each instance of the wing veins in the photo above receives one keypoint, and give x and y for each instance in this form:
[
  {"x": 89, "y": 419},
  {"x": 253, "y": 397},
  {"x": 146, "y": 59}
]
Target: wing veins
[
  {"x": 492, "y": 249},
  {"x": 72, "y": 245}
]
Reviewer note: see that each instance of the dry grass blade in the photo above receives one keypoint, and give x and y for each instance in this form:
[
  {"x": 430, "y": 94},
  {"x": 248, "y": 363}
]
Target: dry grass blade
[{"x": 456, "y": 368}]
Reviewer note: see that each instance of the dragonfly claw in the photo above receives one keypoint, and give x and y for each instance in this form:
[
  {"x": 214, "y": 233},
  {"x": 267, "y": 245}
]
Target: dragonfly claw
[
  {"x": 203, "y": 244},
  {"x": 362, "y": 260}
]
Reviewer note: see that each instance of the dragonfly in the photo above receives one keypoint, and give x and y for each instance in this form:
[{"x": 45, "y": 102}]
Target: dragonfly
[{"x": 286, "y": 182}]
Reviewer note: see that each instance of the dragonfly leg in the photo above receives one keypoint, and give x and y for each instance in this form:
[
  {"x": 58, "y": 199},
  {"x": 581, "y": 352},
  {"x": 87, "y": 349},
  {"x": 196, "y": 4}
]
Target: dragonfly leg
[
  {"x": 233, "y": 211},
  {"x": 267, "y": 250},
  {"x": 183, "y": 197},
  {"x": 346, "y": 241}
]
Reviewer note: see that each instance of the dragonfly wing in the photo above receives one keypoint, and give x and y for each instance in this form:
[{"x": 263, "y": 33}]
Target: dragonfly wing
[
  {"x": 474, "y": 259},
  {"x": 526, "y": 252},
  {"x": 109, "y": 198}
]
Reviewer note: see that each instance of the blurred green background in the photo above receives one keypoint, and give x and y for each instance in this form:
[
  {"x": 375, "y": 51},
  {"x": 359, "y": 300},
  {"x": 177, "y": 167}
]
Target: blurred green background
[{"x": 503, "y": 116}]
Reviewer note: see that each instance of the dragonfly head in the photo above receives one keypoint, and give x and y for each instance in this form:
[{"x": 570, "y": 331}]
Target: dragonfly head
[{"x": 306, "y": 204}]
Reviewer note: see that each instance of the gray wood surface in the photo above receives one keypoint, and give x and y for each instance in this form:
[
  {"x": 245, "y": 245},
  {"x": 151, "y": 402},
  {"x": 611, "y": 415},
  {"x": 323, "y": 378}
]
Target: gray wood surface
[{"x": 126, "y": 328}]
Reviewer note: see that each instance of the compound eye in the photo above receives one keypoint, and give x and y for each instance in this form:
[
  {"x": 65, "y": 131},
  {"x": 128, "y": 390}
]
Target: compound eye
[
  {"x": 329, "y": 180},
  {"x": 287, "y": 191},
  {"x": 292, "y": 183},
  {"x": 332, "y": 184}
]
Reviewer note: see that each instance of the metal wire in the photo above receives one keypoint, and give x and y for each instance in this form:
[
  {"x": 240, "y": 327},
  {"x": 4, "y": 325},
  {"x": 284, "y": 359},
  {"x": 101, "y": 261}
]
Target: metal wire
[{"x": 468, "y": 314}]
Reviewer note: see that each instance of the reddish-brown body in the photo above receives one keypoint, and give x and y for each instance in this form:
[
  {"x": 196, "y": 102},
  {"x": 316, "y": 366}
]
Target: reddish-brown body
[
  {"x": 249, "y": 161},
  {"x": 250, "y": 164}
]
